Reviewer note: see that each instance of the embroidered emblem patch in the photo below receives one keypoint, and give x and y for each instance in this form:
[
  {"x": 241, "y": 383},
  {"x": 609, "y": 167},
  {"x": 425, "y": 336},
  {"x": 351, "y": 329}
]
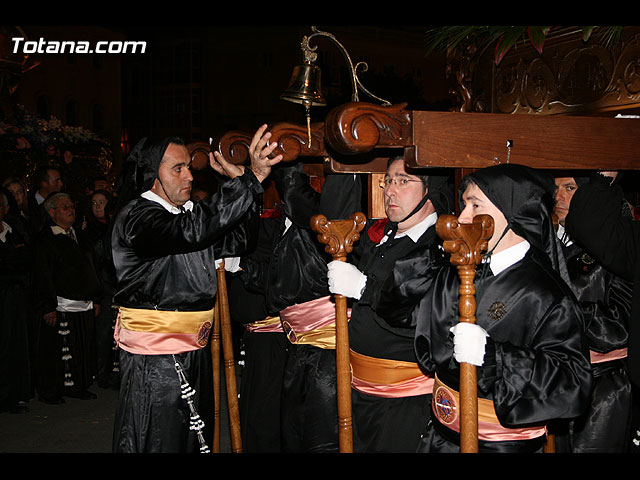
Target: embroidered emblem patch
[
  {"x": 291, "y": 335},
  {"x": 497, "y": 310},
  {"x": 586, "y": 259},
  {"x": 445, "y": 406},
  {"x": 202, "y": 337}
]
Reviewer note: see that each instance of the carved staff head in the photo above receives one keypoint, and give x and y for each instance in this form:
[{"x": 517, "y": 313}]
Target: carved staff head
[{"x": 338, "y": 235}]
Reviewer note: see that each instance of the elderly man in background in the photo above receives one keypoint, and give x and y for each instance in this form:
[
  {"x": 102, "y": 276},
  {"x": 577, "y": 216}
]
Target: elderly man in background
[{"x": 66, "y": 286}]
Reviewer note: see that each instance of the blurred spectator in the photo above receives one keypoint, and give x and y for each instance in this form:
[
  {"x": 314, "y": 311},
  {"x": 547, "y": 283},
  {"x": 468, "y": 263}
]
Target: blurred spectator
[
  {"x": 199, "y": 193},
  {"x": 96, "y": 220},
  {"x": 15, "y": 371},
  {"x": 46, "y": 180},
  {"x": 18, "y": 214},
  {"x": 98, "y": 233},
  {"x": 66, "y": 287}
]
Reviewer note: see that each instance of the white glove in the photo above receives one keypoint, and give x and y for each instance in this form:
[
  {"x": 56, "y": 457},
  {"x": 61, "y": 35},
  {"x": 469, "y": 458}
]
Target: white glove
[
  {"x": 469, "y": 341},
  {"x": 231, "y": 264},
  {"x": 345, "y": 279}
]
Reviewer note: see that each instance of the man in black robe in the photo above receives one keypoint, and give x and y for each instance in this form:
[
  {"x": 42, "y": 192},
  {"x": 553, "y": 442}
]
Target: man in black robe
[
  {"x": 264, "y": 347},
  {"x": 390, "y": 393},
  {"x": 15, "y": 277},
  {"x": 294, "y": 282},
  {"x": 605, "y": 301},
  {"x": 67, "y": 290},
  {"x": 164, "y": 251},
  {"x": 527, "y": 343},
  {"x": 598, "y": 220}
]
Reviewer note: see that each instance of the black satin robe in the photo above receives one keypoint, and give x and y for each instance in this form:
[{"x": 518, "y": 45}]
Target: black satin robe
[
  {"x": 605, "y": 301},
  {"x": 65, "y": 268},
  {"x": 166, "y": 261},
  {"x": 536, "y": 366},
  {"x": 598, "y": 220},
  {"x": 397, "y": 278},
  {"x": 265, "y": 356},
  {"x": 15, "y": 283},
  {"x": 296, "y": 273}
]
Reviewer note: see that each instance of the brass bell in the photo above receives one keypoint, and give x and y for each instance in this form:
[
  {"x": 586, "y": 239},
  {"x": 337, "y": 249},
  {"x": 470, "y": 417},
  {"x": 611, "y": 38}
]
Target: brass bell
[{"x": 304, "y": 86}]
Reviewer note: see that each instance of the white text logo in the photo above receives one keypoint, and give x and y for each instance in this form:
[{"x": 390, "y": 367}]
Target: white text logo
[{"x": 68, "y": 46}]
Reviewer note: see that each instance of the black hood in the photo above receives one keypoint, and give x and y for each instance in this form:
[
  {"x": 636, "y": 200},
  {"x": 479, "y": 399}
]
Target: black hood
[
  {"x": 441, "y": 194},
  {"x": 525, "y": 197},
  {"x": 141, "y": 168}
]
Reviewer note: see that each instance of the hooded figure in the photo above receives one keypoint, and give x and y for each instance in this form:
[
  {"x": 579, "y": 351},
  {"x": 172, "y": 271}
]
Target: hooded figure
[
  {"x": 528, "y": 338},
  {"x": 141, "y": 168}
]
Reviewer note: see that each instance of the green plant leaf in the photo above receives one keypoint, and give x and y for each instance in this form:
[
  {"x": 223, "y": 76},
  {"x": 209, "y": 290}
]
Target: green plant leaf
[
  {"x": 586, "y": 33},
  {"x": 537, "y": 37},
  {"x": 506, "y": 41}
]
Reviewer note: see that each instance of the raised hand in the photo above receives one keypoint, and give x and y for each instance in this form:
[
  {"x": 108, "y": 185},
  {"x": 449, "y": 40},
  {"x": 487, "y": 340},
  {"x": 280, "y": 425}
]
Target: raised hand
[{"x": 259, "y": 151}]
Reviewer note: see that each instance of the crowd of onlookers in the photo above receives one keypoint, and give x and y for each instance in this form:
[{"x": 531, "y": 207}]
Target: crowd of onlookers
[
  {"x": 41, "y": 280},
  {"x": 56, "y": 287}
]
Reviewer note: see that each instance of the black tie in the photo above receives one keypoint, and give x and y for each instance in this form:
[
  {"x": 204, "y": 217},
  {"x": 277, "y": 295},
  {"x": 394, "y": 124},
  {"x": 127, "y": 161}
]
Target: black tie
[{"x": 70, "y": 232}]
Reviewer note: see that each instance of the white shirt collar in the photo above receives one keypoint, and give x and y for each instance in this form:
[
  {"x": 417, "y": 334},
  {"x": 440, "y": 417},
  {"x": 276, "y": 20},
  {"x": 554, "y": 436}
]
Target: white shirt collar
[
  {"x": 504, "y": 259},
  {"x": 39, "y": 197},
  {"x": 415, "y": 232},
  {"x": 154, "y": 197},
  {"x": 563, "y": 235}
]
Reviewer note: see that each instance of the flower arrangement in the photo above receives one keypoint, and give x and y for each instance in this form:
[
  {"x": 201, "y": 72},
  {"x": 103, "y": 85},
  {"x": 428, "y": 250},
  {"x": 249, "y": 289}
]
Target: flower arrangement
[{"x": 30, "y": 141}]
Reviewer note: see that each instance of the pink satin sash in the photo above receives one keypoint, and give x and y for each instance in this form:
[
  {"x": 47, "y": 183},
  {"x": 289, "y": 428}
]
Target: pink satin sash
[
  {"x": 608, "y": 356},
  {"x": 156, "y": 332},
  {"x": 311, "y": 323}
]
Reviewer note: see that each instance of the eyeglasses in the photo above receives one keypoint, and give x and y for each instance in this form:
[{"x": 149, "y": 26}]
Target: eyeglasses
[
  {"x": 400, "y": 182},
  {"x": 65, "y": 207}
]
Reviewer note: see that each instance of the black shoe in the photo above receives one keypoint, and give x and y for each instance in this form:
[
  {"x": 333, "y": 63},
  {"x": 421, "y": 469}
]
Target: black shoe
[
  {"x": 21, "y": 407},
  {"x": 87, "y": 395},
  {"x": 51, "y": 400},
  {"x": 81, "y": 395}
]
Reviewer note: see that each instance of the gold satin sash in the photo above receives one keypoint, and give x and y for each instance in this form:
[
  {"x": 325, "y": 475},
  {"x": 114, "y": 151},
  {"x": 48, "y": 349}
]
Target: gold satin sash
[
  {"x": 269, "y": 324},
  {"x": 143, "y": 320},
  {"x": 381, "y": 370},
  {"x": 149, "y": 332},
  {"x": 388, "y": 378}
]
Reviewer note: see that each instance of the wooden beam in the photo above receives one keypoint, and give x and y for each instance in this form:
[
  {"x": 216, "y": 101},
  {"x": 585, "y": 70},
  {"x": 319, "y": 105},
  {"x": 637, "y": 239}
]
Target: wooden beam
[{"x": 477, "y": 140}]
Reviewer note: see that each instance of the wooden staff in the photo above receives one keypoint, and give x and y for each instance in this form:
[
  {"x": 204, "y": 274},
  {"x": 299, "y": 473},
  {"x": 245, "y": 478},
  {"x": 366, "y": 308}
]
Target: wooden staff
[
  {"x": 230, "y": 371},
  {"x": 339, "y": 237},
  {"x": 215, "y": 361},
  {"x": 465, "y": 243},
  {"x": 550, "y": 443}
]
